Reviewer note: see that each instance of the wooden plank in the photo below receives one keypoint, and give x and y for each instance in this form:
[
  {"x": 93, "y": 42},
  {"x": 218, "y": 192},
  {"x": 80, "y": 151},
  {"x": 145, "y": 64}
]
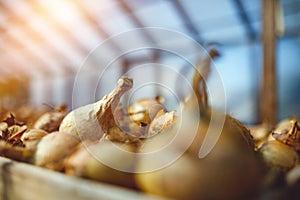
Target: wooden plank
[
  {"x": 3, "y": 163},
  {"x": 269, "y": 86},
  {"x": 27, "y": 182}
]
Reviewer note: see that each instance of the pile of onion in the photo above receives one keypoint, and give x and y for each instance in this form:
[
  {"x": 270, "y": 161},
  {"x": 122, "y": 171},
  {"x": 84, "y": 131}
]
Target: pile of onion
[
  {"x": 150, "y": 149},
  {"x": 230, "y": 170}
]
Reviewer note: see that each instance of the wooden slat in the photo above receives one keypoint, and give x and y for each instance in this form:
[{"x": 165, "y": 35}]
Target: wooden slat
[
  {"x": 26, "y": 182},
  {"x": 3, "y": 163},
  {"x": 269, "y": 85}
]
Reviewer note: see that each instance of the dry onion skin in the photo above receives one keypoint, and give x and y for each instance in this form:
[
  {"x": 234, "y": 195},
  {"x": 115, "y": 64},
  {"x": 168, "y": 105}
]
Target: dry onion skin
[
  {"x": 260, "y": 134},
  {"x": 144, "y": 110},
  {"x": 230, "y": 171},
  {"x": 291, "y": 137},
  {"x": 31, "y": 138},
  {"x": 26, "y": 114},
  {"x": 283, "y": 145},
  {"x": 280, "y": 152},
  {"x": 50, "y": 121},
  {"x": 19, "y": 142},
  {"x": 85, "y": 122}
]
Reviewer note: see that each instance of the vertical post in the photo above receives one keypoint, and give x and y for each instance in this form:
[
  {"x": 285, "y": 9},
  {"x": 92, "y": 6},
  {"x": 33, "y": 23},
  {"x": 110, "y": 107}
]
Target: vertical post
[{"x": 268, "y": 101}]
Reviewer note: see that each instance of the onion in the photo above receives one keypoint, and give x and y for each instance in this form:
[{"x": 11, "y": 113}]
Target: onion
[
  {"x": 231, "y": 170},
  {"x": 53, "y": 149},
  {"x": 90, "y": 121},
  {"x": 94, "y": 161},
  {"x": 278, "y": 155}
]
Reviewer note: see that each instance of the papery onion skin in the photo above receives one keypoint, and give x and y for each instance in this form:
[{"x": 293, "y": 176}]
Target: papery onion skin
[
  {"x": 91, "y": 121},
  {"x": 32, "y": 137}
]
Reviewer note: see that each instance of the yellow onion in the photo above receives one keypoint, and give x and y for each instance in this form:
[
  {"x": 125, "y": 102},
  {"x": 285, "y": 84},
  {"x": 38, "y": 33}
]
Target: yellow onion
[
  {"x": 229, "y": 171},
  {"x": 53, "y": 149},
  {"x": 280, "y": 152},
  {"x": 89, "y": 122},
  {"x": 105, "y": 161},
  {"x": 278, "y": 155},
  {"x": 42, "y": 149}
]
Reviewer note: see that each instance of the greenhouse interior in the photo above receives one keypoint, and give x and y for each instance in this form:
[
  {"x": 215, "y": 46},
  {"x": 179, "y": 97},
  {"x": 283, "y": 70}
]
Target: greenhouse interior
[{"x": 94, "y": 96}]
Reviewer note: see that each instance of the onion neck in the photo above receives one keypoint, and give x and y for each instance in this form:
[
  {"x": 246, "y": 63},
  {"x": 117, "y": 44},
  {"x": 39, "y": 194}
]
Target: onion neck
[{"x": 202, "y": 70}]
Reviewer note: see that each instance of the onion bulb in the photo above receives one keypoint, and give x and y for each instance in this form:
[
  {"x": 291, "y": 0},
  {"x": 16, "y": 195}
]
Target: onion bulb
[
  {"x": 105, "y": 161},
  {"x": 281, "y": 149},
  {"x": 89, "y": 122},
  {"x": 53, "y": 149},
  {"x": 278, "y": 155},
  {"x": 229, "y": 171}
]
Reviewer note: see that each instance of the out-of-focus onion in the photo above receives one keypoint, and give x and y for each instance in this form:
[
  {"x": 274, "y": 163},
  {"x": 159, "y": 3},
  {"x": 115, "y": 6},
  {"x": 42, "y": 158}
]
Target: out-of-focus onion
[
  {"x": 278, "y": 155},
  {"x": 97, "y": 161},
  {"x": 229, "y": 171},
  {"x": 54, "y": 148}
]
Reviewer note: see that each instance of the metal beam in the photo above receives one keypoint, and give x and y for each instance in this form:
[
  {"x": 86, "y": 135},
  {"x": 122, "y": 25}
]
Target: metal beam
[
  {"x": 156, "y": 55},
  {"x": 187, "y": 21},
  {"x": 101, "y": 32},
  {"x": 126, "y": 8},
  {"x": 92, "y": 20},
  {"x": 20, "y": 52},
  {"x": 245, "y": 19}
]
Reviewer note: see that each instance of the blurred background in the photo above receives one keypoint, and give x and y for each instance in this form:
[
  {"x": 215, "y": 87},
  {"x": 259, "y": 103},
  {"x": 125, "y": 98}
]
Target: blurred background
[{"x": 45, "y": 42}]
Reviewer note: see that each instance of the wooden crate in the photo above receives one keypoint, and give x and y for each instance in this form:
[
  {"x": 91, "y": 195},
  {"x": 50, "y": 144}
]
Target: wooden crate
[{"x": 21, "y": 181}]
